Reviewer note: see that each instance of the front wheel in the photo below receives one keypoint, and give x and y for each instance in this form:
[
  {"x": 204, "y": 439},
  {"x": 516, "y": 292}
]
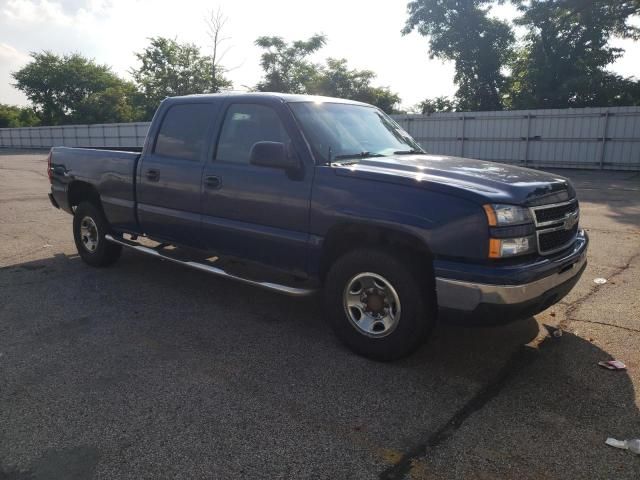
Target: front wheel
[
  {"x": 379, "y": 305},
  {"x": 89, "y": 228}
]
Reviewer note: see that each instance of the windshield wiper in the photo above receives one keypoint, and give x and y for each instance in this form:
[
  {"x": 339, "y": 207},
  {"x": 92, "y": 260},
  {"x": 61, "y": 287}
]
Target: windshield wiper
[
  {"x": 407, "y": 152},
  {"x": 363, "y": 154}
]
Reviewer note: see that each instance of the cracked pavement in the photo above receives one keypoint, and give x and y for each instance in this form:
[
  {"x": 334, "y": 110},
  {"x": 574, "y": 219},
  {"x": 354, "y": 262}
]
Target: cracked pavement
[{"x": 149, "y": 370}]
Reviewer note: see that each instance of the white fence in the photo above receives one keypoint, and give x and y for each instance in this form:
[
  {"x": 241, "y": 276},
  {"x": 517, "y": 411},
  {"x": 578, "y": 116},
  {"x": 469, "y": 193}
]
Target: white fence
[
  {"x": 101, "y": 135},
  {"x": 596, "y": 138},
  {"x": 601, "y": 138}
]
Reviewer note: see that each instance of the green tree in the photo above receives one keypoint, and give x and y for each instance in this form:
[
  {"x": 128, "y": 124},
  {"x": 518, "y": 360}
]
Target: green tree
[
  {"x": 434, "y": 105},
  {"x": 336, "y": 79},
  {"x": 117, "y": 104},
  {"x": 480, "y": 47},
  {"x": 287, "y": 68},
  {"x": 168, "y": 68},
  {"x": 58, "y": 86},
  {"x": 14, "y": 116},
  {"x": 566, "y": 50}
]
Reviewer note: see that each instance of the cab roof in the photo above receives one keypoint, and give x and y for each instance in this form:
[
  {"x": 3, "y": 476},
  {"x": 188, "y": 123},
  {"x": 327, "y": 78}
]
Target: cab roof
[{"x": 283, "y": 97}]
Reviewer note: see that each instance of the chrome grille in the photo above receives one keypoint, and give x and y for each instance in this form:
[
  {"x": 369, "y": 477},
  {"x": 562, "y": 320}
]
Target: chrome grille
[
  {"x": 554, "y": 213},
  {"x": 556, "y": 225}
]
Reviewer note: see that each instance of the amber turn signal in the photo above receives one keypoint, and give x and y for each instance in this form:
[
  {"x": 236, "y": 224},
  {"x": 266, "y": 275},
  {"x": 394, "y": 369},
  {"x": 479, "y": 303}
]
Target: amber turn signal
[
  {"x": 491, "y": 215},
  {"x": 495, "y": 249}
]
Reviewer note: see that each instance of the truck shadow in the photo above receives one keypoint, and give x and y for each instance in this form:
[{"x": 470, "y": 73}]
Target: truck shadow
[{"x": 144, "y": 332}]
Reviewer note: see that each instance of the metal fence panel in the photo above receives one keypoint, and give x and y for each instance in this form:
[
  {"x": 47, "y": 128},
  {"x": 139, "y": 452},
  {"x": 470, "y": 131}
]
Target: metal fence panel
[
  {"x": 101, "y": 135},
  {"x": 607, "y": 138},
  {"x": 600, "y": 138}
]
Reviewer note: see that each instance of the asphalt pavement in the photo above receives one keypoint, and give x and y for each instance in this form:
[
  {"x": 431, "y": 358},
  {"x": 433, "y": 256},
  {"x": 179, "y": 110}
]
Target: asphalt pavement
[{"x": 150, "y": 370}]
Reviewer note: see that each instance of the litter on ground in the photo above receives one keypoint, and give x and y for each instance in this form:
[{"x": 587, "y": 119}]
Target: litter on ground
[
  {"x": 631, "y": 445},
  {"x": 613, "y": 365}
]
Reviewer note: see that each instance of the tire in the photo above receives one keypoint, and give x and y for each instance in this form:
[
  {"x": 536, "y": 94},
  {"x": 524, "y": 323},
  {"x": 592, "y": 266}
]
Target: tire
[
  {"x": 403, "y": 328},
  {"x": 89, "y": 228}
]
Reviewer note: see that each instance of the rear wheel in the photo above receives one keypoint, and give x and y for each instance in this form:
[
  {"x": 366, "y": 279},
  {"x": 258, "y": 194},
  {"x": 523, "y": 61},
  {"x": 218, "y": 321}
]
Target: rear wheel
[
  {"x": 89, "y": 228},
  {"x": 379, "y": 305}
]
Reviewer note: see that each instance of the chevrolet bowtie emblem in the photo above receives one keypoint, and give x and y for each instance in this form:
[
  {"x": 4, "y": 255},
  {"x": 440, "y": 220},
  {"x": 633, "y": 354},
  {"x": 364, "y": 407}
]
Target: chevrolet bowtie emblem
[{"x": 570, "y": 221}]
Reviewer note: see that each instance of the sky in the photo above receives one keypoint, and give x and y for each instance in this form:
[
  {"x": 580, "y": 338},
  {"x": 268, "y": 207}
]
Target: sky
[{"x": 365, "y": 32}]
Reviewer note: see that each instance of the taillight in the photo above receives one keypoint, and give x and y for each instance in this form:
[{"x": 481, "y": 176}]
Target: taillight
[{"x": 49, "y": 171}]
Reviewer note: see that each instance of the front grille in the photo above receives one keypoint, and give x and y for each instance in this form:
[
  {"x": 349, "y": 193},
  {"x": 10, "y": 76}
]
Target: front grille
[
  {"x": 544, "y": 215},
  {"x": 556, "y": 225},
  {"x": 554, "y": 240}
]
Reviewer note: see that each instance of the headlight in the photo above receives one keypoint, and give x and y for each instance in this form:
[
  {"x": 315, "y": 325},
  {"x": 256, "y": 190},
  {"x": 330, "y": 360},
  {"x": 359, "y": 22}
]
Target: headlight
[
  {"x": 505, "y": 215},
  {"x": 508, "y": 247},
  {"x": 511, "y": 230}
]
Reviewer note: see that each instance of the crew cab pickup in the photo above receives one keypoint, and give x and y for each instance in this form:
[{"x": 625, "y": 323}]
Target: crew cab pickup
[{"x": 295, "y": 194}]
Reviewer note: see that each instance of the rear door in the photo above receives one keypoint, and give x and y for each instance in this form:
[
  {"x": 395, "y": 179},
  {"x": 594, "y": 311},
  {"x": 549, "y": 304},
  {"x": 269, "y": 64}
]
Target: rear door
[
  {"x": 256, "y": 212},
  {"x": 168, "y": 189}
]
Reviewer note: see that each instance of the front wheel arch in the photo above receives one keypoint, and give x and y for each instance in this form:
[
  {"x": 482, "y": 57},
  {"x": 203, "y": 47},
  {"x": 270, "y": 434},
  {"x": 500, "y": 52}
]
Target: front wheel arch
[{"x": 346, "y": 237}]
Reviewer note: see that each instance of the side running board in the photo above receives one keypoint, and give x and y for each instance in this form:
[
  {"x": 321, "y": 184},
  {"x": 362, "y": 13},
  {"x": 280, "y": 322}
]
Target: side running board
[{"x": 287, "y": 290}]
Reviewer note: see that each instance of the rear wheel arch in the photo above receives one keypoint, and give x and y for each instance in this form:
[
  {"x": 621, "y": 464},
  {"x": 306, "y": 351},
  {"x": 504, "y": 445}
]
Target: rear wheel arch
[
  {"x": 79, "y": 191},
  {"x": 90, "y": 228}
]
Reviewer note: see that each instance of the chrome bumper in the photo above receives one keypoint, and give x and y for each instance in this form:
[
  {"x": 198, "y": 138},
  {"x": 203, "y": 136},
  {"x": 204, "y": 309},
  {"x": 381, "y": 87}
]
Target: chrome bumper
[{"x": 466, "y": 296}]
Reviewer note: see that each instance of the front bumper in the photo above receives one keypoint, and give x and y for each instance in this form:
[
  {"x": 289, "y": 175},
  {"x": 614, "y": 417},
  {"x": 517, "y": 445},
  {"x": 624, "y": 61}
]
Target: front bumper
[{"x": 500, "y": 302}]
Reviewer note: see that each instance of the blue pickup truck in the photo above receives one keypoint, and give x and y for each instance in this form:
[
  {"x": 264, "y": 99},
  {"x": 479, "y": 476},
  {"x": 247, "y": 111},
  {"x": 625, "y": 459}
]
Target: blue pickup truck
[{"x": 297, "y": 194}]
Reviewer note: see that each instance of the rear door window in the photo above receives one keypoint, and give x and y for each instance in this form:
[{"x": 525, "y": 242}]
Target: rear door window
[{"x": 183, "y": 131}]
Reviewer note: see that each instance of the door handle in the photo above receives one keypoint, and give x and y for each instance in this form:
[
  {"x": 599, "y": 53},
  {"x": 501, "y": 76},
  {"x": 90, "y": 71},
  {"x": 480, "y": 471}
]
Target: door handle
[
  {"x": 212, "y": 181},
  {"x": 153, "y": 175}
]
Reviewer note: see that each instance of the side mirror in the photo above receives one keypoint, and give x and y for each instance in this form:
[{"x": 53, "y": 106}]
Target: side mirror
[{"x": 273, "y": 155}]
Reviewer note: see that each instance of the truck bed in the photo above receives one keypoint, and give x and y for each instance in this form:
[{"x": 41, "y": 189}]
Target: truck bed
[{"x": 111, "y": 172}]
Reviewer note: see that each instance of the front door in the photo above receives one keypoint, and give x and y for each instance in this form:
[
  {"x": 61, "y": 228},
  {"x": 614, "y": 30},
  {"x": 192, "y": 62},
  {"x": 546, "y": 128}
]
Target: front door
[{"x": 256, "y": 212}]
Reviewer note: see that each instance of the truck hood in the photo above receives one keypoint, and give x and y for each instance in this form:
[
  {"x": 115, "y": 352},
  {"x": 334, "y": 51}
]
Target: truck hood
[{"x": 478, "y": 180}]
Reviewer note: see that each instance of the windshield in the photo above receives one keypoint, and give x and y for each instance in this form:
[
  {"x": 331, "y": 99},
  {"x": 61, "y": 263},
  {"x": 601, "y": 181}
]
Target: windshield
[{"x": 339, "y": 131}]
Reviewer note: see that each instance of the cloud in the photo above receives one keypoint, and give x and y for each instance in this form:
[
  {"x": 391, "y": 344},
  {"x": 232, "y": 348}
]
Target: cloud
[
  {"x": 43, "y": 11},
  {"x": 54, "y": 13},
  {"x": 12, "y": 54},
  {"x": 11, "y": 59}
]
